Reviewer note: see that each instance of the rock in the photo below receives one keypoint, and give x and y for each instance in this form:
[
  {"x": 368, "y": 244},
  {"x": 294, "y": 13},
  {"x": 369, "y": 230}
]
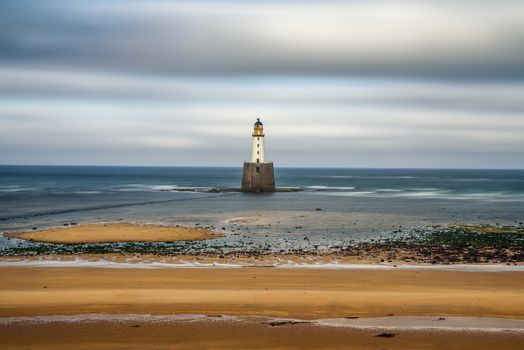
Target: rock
[
  {"x": 318, "y": 209},
  {"x": 385, "y": 335}
]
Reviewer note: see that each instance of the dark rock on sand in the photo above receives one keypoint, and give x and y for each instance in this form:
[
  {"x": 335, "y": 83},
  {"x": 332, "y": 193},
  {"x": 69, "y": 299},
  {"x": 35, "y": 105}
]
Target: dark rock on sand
[{"x": 385, "y": 335}]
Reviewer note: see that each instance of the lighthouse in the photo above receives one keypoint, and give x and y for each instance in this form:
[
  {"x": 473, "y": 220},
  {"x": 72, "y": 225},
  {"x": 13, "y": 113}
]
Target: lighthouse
[
  {"x": 257, "y": 154},
  {"x": 258, "y": 175}
]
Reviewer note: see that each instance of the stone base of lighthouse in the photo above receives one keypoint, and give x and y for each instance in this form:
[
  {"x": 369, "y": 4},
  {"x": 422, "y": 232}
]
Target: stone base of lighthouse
[{"x": 258, "y": 177}]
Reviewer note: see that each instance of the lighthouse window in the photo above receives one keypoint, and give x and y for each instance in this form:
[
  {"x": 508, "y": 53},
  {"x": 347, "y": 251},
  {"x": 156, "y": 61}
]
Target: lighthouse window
[
  {"x": 258, "y": 160},
  {"x": 258, "y": 138},
  {"x": 258, "y": 152},
  {"x": 258, "y": 145}
]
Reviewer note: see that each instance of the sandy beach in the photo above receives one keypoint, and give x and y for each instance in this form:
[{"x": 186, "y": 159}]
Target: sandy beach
[
  {"x": 250, "y": 294},
  {"x": 298, "y": 293},
  {"x": 115, "y": 232}
]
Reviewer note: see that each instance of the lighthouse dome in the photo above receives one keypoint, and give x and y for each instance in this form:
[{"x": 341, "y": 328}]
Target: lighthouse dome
[{"x": 258, "y": 122}]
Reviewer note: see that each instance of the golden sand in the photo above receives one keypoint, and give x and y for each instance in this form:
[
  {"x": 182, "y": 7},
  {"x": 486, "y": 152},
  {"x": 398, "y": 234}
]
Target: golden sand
[
  {"x": 119, "y": 232},
  {"x": 298, "y": 293}
]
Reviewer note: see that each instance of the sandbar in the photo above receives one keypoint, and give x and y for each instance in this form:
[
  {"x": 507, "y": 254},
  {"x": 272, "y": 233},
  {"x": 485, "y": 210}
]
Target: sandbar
[{"x": 115, "y": 232}]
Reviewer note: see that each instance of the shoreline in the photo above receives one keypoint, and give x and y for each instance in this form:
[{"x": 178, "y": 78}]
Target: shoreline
[
  {"x": 218, "y": 263},
  {"x": 287, "y": 261},
  {"x": 418, "y": 323},
  {"x": 233, "y": 333}
]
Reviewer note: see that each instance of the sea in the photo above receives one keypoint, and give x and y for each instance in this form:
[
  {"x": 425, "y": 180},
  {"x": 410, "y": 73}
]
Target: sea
[{"x": 332, "y": 206}]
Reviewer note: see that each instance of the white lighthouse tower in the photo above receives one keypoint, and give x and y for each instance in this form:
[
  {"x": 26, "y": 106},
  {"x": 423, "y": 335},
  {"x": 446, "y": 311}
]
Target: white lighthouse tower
[
  {"x": 258, "y": 175},
  {"x": 257, "y": 155}
]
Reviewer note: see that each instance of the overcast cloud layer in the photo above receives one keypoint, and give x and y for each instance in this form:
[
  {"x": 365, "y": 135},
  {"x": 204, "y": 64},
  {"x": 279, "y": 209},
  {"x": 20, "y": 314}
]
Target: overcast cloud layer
[{"x": 355, "y": 83}]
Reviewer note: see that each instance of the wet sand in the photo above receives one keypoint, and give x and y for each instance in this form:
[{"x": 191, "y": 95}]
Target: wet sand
[
  {"x": 282, "y": 261},
  {"x": 115, "y": 232},
  {"x": 298, "y": 293},
  {"x": 215, "y": 333}
]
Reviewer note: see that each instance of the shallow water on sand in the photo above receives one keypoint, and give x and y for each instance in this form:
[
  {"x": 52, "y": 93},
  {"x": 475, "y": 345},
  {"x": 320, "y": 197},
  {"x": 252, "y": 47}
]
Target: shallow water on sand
[{"x": 355, "y": 203}]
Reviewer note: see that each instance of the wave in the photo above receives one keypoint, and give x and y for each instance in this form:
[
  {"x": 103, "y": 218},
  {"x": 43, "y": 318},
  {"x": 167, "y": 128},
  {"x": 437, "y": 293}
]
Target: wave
[
  {"x": 431, "y": 177},
  {"x": 429, "y": 193},
  {"x": 17, "y": 188},
  {"x": 373, "y": 177},
  {"x": 161, "y": 188},
  {"x": 87, "y": 192},
  {"x": 474, "y": 179},
  {"x": 329, "y": 188}
]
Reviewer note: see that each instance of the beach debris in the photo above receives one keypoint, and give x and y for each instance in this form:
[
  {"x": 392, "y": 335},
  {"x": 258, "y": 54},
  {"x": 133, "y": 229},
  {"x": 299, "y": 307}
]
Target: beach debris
[
  {"x": 284, "y": 322},
  {"x": 136, "y": 325},
  {"x": 351, "y": 317},
  {"x": 385, "y": 335},
  {"x": 318, "y": 209},
  {"x": 440, "y": 319}
]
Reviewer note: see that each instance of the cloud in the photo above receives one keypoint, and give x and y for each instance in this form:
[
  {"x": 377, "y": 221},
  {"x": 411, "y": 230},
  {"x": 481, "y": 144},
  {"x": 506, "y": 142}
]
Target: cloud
[
  {"x": 312, "y": 133},
  {"x": 374, "y": 83},
  {"x": 419, "y": 38},
  {"x": 74, "y": 84}
]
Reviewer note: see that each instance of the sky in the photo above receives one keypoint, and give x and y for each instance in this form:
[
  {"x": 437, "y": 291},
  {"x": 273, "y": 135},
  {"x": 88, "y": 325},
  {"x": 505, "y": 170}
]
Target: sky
[{"x": 375, "y": 83}]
